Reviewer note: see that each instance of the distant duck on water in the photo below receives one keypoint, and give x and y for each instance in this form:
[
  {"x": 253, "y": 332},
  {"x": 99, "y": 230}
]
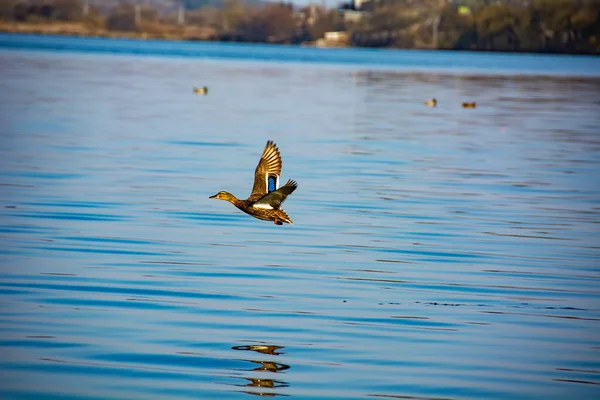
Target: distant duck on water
[
  {"x": 469, "y": 105},
  {"x": 265, "y": 203},
  {"x": 202, "y": 90},
  {"x": 431, "y": 103}
]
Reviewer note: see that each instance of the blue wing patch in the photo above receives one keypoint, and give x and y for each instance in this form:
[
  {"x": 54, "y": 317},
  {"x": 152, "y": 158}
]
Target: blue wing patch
[{"x": 272, "y": 183}]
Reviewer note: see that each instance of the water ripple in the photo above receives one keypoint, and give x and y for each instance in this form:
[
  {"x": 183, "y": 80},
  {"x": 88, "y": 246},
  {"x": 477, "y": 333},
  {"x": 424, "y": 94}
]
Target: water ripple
[{"x": 437, "y": 253}]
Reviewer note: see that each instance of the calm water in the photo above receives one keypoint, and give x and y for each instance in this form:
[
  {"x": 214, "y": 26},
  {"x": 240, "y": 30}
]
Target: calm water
[{"x": 436, "y": 252}]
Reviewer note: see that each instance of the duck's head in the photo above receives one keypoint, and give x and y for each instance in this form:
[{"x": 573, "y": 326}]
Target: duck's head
[{"x": 222, "y": 195}]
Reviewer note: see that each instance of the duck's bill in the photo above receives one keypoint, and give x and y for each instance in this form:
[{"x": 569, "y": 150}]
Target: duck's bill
[{"x": 213, "y": 197}]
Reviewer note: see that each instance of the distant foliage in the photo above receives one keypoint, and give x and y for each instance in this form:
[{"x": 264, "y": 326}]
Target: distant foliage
[
  {"x": 566, "y": 26},
  {"x": 57, "y": 10},
  {"x": 325, "y": 21},
  {"x": 556, "y": 26},
  {"x": 272, "y": 23},
  {"x": 122, "y": 19}
]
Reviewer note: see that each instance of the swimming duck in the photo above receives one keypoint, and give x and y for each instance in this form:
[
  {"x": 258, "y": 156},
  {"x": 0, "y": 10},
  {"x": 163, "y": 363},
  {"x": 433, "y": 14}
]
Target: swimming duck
[
  {"x": 202, "y": 90},
  {"x": 431, "y": 103},
  {"x": 469, "y": 105},
  {"x": 264, "y": 203}
]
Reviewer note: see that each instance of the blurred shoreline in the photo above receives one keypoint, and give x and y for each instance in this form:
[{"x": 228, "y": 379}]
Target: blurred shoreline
[
  {"x": 84, "y": 30},
  {"x": 511, "y": 26},
  {"x": 201, "y": 34}
]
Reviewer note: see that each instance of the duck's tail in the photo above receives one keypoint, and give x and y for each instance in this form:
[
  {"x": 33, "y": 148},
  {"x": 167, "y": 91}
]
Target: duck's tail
[{"x": 283, "y": 217}]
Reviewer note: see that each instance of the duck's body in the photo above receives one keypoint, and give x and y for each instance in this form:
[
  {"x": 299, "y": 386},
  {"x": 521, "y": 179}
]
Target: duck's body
[
  {"x": 202, "y": 90},
  {"x": 249, "y": 206},
  {"x": 262, "y": 203},
  {"x": 431, "y": 103},
  {"x": 469, "y": 105}
]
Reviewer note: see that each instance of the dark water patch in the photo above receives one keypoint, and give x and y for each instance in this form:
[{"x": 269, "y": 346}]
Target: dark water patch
[
  {"x": 539, "y": 274},
  {"x": 49, "y": 344},
  {"x": 72, "y": 216},
  {"x": 43, "y": 175},
  {"x": 16, "y": 185},
  {"x": 579, "y": 370},
  {"x": 75, "y": 204},
  {"x": 15, "y": 292},
  {"x": 445, "y": 256},
  {"x": 34, "y": 395},
  {"x": 229, "y": 275},
  {"x": 544, "y": 315},
  {"x": 115, "y": 304},
  {"x": 175, "y": 263},
  {"x": 576, "y": 381},
  {"x": 26, "y": 229},
  {"x": 396, "y": 261},
  {"x": 198, "y": 216},
  {"x": 203, "y": 144},
  {"x": 117, "y": 240},
  {"x": 408, "y": 397},
  {"x": 57, "y": 274},
  {"x": 179, "y": 361},
  {"x": 116, "y": 290},
  {"x": 399, "y": 321},
  {"x": 526, "y": 236},
  {"x": 269, "y": 312},
  {"x": 61, "y": 366},
  {"x": 100, "y": 251}
]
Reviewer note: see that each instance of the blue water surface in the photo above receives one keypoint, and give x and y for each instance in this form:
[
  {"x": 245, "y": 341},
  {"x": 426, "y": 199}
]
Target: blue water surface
[
  {"x": 436, "y": 253},
  {"x": 399, "y": 60}
]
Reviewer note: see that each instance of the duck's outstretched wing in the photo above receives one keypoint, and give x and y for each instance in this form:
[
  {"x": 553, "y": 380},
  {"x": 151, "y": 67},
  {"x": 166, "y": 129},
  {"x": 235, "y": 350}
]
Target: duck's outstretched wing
[
  {"x": 273, "y": 200},
  {"x": 269, "y": 166}
]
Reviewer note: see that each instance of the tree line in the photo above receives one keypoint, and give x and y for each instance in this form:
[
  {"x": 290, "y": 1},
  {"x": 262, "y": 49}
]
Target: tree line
[{"x": 558, "y": 26}]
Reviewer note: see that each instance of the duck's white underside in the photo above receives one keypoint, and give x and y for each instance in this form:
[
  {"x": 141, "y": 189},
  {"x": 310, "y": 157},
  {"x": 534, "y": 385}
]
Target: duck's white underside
[{"x": 262, "y": 206}]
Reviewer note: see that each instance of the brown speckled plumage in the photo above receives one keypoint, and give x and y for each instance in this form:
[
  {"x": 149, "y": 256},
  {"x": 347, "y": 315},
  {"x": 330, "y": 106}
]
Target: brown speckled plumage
[{"x": 261, "y": 203}]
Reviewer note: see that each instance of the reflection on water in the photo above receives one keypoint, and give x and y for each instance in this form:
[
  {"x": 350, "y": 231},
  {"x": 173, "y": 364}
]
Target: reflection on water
[
  {"x": 266, "y": 383},
  {"x": 436, "y": 253},
  {"x": 261, "y": 348},
  {"x": 269, "y": 366},
  {"x": 266, "y": 366}
]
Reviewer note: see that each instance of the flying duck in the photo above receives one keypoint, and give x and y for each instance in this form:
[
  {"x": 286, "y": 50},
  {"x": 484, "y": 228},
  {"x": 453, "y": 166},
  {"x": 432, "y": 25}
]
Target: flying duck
[{"x": 265, "y": 202}]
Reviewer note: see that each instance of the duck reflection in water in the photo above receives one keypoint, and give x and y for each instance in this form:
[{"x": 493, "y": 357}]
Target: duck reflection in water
[
  {"x": 263, "y": 394},
  {"x": 265, "y": 383},
  {"x": 261, "y": 348},
  {"x": 265, "y": 366},
  {"x": 269, "y": 366}
]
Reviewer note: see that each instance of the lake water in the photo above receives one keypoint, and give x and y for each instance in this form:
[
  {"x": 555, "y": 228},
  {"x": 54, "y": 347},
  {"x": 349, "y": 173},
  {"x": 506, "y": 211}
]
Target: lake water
[{"x": 437, "y": 253}]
